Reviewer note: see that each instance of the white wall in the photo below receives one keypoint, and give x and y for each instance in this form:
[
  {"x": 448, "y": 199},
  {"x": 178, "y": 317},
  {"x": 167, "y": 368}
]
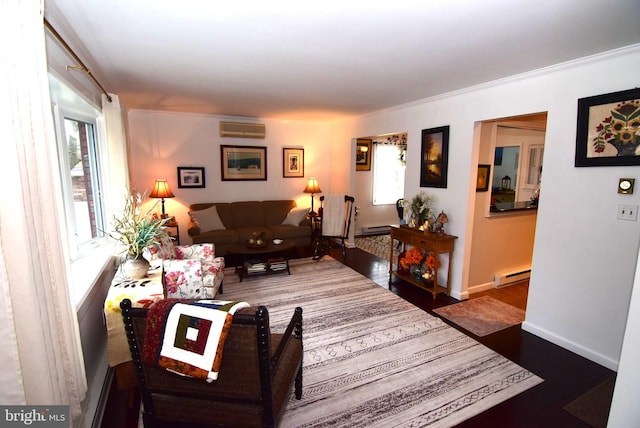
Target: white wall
[
  {"x": 162, "y": 141},
  {"x": 584, "y": 258}
]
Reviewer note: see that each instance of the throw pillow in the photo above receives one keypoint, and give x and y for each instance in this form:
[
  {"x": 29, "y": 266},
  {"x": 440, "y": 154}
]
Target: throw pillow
[
  {"x": 207, "y": 219},
  {"x": 295, "y": 216}
]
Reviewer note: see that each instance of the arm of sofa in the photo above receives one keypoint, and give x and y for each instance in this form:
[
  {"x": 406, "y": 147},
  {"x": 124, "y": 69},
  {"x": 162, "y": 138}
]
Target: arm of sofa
[{"x": 193, "y": 229}]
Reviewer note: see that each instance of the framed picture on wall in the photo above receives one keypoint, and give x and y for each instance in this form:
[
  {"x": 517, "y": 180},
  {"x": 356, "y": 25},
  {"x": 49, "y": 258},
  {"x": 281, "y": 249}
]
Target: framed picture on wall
[
  {"x": 609, "y": 129},
  {"x": 243, "y": 163},
  {"x": 292, "y": 162},
  {"x": 482, "y": 183},
  {"x": 434, "y": 157},
  {"x": 190, "y": 177},
  {"x": 363, "y": 154}
]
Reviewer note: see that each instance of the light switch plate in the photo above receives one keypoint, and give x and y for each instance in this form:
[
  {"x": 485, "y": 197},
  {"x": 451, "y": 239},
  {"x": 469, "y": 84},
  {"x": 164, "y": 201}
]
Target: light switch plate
[{"x": 627, "y": 212}]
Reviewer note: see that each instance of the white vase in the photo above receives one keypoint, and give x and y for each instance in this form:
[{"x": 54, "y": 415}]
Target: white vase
[{"x": 136, "y": 267}]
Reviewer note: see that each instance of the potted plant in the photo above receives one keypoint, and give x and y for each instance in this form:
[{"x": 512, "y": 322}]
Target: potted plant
[{"x": 136, "y": 229}]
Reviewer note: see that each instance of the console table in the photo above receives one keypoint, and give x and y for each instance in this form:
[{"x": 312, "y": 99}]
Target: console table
[{"x": 430, "y": 242}]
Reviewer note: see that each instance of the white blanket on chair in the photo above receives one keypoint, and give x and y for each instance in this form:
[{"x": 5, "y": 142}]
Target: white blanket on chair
[{"x": 333, "y": 215}]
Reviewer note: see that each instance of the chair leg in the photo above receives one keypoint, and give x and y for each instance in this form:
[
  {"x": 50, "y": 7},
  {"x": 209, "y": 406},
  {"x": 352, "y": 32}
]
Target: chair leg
[
  {"x": 298, "y": 384},
  {"x": 344, "y": 250}
]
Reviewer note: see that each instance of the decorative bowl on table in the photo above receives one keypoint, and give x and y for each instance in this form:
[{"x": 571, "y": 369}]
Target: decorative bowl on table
[
  {"x": 257, "y": 243},
  {"x": 277, "y": 241}
]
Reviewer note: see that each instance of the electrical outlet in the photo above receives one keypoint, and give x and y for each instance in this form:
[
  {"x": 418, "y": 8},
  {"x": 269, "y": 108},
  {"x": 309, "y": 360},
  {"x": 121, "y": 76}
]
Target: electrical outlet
[{"x": 627, "y": 212}]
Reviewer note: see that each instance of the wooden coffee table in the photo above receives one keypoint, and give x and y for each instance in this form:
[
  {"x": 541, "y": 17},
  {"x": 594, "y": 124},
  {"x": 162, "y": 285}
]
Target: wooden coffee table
[{"x": 264, "y": 255}]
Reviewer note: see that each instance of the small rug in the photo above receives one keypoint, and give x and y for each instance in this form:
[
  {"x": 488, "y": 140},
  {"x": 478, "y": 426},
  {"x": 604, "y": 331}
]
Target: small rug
[
  {"x": 373, "y": 359},
  {"x": 378, "y": 245},
  {"x": 593, "y": 407},
  {"x": 482, "y": 316}
]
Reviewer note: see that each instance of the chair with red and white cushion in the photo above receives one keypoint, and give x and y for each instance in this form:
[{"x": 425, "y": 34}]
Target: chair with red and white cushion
[{"x": 193, "y": 272}]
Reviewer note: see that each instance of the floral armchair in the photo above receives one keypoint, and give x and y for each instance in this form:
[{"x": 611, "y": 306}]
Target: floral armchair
[{"x": 190, "y": 271}]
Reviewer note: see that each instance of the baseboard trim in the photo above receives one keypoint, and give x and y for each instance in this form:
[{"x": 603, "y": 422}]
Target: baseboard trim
[
  {"x": 571, "y": 346},
  {"x": 481, "y": 287}
]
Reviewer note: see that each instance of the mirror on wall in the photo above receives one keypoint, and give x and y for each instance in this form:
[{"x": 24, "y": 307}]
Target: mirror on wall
[{"x": 517, "y": 165}]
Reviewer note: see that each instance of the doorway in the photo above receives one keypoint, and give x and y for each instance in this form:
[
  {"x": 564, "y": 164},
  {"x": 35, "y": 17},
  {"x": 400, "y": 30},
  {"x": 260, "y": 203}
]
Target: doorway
[{"x": 505, "y": 213}]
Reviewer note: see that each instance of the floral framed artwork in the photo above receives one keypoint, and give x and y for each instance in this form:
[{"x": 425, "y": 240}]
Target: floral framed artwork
[
  {"x": 434, "y": 157},
  {"x": 609, "y": 129},
  {"x": 482, "y": 182},
  {"x": 247, "y": 163},
  {"x": 292, "y": 162},
  {"x": 191, "y": 177},
  {"x": 363, "y": 154}
]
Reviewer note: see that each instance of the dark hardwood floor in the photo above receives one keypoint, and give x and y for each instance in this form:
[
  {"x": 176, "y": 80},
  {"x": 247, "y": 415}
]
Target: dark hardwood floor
[{"x": 567, "y": 376}]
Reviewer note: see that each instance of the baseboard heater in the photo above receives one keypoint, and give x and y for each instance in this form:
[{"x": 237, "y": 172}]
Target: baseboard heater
[
  {"x": 376, "y": 230},
  {"x": 510, "y": 277}
]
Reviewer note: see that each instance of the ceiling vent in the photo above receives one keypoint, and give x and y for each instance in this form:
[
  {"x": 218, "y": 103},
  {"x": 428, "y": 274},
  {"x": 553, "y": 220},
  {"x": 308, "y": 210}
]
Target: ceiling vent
[{"x": 242, "y": 130}]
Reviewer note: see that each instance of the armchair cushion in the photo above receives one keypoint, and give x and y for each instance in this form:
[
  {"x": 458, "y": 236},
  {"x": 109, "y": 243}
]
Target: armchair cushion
[{"x": 183, "y": 279}]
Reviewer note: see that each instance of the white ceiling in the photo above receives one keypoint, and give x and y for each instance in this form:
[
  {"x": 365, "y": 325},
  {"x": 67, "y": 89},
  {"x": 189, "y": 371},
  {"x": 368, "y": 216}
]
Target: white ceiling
[{"x": 295, "y": 59}]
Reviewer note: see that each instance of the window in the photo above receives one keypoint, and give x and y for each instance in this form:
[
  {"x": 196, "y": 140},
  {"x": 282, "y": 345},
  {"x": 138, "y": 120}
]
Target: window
[
  {"x": 84, "y": 218},
  {"x": 79, "y": 159},
  {"x": 388, "y": 173}
]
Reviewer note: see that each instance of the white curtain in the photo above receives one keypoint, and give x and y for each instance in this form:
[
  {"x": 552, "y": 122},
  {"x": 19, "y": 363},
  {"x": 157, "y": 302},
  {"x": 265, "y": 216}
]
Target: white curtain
[
  {"x": 39, "y": 341},
  {"x": 116, "y": 163}
]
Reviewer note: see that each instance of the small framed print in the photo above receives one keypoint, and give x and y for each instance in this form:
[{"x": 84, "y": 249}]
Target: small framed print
[
  {"x": 609, "y": 129},
  {"x": 247, "y": 163},
  {"x": 482, "y": 183},
  {"x": 190, "y": 177},
  {"x": 292, "y": 162},
  {"x": 363, "y": 154}
]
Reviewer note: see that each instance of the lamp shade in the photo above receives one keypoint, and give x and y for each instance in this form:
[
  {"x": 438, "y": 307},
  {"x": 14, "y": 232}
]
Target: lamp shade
[
  {"x": 161, "y": 190},
  {"x": 312, "y": 186}
]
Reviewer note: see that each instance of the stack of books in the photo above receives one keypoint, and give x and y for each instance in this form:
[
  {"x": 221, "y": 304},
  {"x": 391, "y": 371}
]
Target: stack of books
[
  {"x": 253, "y": 267},
  {"x": 277, "y": 264}
]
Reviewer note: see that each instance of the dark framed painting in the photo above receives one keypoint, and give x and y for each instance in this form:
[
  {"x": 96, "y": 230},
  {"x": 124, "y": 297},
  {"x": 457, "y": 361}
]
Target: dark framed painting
[
  {"x": 609, "y": 129},
  {"x": 363, "y": 154},
  {"x": 292, "y": 162},
  {"x": 434, "y": 157},
  {"x": 243, "y": 163},
  {"x": 191, "y": 177},
  {"x": 482, "y": 182}
]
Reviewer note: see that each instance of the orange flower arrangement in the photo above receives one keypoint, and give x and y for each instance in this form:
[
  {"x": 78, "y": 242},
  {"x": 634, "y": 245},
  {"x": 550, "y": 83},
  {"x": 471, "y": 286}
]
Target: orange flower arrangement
[
  {"x": 412, "y": 257},
  {"x": 432, "y": 261}
]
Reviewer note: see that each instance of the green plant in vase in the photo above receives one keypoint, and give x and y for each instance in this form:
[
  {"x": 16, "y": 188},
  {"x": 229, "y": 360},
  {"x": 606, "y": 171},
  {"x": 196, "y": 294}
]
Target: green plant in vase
[{"x": 136, "y": 229}]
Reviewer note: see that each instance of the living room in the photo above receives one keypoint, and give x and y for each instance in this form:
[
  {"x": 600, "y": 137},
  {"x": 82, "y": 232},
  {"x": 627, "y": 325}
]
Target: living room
[{"x": 584, "y": 262}]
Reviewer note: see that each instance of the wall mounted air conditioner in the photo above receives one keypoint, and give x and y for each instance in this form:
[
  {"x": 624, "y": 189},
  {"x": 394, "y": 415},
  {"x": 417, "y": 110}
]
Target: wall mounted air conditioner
[{"x": 242, "y": 130}]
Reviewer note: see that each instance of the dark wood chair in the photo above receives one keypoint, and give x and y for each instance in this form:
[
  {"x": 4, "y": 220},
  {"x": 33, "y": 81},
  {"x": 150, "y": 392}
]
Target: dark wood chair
[
  {"x": 254, "y": 383},
  {"x": 325, "y": 240}
]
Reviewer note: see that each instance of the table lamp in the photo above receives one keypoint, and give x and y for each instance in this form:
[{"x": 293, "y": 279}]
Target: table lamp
[
  {"x": 442, "y": 219},
  {"x": 312, "y": 187},
  {"x": 161, "y": 190}
]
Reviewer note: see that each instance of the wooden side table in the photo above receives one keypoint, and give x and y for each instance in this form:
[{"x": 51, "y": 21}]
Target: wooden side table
[
  {"x": 430, "y": 242},
  {"x": 173, "y": 224}
]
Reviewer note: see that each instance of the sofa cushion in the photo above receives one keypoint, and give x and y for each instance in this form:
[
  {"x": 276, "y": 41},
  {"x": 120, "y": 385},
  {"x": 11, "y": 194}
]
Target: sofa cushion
[
  {"x": 244, "y": 233},
  {"x": 207, "y": 219},
  {"x": 276, "y": 211},
  {"x": 220, "y": 237},
  {"x": 246, "y": 214},
  {"x": 295, "y": 217},
  {"x": 290, "y": 232}
]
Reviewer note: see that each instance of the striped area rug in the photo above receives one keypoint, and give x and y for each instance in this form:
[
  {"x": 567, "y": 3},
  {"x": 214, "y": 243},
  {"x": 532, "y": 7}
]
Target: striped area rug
[{"x": 373, "y": 359}]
